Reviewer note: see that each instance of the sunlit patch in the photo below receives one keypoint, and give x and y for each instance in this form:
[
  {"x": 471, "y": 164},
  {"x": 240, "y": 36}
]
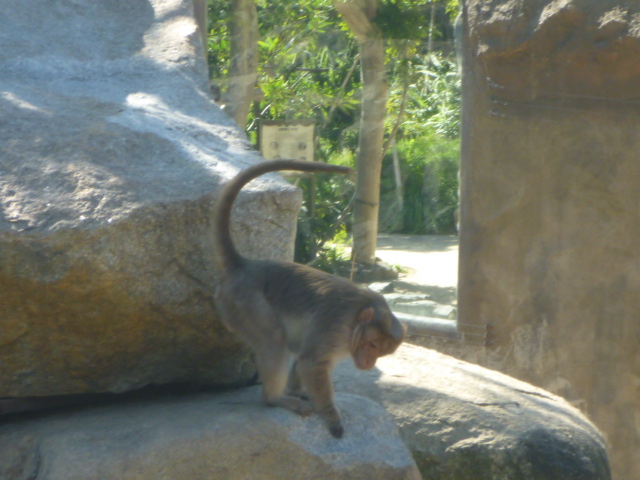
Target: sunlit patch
[{"x": 21, "y": 103}]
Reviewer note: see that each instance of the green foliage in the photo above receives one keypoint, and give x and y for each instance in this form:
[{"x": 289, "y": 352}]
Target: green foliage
[
  {"x": 330, "y": 259},
  {"x": 453, "y": 8},
  {"x": 308, "y": 70},
  {"x": 403, "y": 19},
  {"x": 430, "y": 179},
  {"x": 218, "y": 46},
  {"x": 333, "y": 195},
  {"x": 305, "y": 54},
  {"x": 428, "y": 149},
  {"x": 441, "y": 109}
]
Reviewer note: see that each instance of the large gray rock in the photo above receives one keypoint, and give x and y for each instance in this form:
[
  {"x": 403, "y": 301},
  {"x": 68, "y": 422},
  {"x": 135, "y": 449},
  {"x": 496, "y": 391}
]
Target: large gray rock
[
  {"x": 549, "y": 256},
  {"x": 233, "y": 436},
  {"x": 462, "y": 421},
  {"x": 111, "y": 154}
]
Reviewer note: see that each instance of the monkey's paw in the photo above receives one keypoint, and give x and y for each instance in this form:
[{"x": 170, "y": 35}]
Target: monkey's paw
[
  {"x": 295, "y": 404},
  {"x": 304, "y": 407},
  {"x": 336, "y": 430}
]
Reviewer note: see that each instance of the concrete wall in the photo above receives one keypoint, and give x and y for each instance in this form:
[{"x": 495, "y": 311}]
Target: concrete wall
[{"x": 550, "y": 239}]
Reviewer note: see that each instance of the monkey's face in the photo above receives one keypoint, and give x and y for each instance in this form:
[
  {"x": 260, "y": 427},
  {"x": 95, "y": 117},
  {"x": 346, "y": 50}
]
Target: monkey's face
[{"x": 370, "y": 346}]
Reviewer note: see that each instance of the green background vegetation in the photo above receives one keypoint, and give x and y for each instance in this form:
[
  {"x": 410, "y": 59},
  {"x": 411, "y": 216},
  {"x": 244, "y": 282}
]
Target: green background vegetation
[{"x": 308, "y": 69}]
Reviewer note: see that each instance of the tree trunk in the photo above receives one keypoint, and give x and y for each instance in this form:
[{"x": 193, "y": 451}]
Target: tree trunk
[
  {"x": 244, "y": 60},
  {"x": 358, "y": 14},
  {"x": 369, "y": 158},
  {"x": 200, "y": 12},
  {"x": 431, "y": 25},
  {"x": 398, "y": 177}
]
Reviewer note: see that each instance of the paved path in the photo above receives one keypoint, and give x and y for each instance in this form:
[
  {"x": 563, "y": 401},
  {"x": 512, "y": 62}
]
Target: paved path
[{"x": 430, "y": 259}]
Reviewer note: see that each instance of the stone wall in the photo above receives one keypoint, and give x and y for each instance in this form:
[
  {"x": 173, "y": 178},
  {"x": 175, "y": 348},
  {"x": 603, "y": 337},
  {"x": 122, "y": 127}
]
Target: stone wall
[{"x": 549, "y": 252}]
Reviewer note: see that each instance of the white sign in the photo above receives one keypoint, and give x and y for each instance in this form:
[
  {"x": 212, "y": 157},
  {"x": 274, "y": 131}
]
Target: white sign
[{"x": 280, "y": 139}]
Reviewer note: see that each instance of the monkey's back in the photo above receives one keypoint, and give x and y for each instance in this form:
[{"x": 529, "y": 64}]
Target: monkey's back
[{"x": 302, "y": 290}]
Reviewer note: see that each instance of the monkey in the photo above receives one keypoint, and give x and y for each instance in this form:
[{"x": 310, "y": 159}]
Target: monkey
[{"x": 284, "y": 309}]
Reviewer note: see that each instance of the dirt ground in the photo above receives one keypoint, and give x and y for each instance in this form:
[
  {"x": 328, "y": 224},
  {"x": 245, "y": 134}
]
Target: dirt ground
[{"x": 429, "y": 259}]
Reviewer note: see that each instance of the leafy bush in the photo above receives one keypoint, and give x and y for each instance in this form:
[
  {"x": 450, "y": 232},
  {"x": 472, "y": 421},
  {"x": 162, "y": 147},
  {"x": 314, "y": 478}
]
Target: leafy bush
[
  {"x": 430, "y": 183},
  {"x": 308, "y": 69},
  {"x": 428, "y": 149},
  {"x": 332, "y": 198}
]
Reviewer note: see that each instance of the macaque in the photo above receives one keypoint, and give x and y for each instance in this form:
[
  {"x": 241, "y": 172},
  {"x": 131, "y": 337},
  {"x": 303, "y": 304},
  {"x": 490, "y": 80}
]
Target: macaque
[{"x": 281, "y": 309}]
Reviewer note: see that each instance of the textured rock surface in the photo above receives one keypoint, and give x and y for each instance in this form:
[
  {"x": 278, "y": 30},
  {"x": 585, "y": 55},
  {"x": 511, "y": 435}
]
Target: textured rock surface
[
  {"x": 462, "y": 421},
  {"x": 111, "y": 154},
  {"x": 587, "y": 49},
  {"x": 549, "y": 238},
  {"x": 230, "y": 436},
  {"x": 457, "y": 419}
]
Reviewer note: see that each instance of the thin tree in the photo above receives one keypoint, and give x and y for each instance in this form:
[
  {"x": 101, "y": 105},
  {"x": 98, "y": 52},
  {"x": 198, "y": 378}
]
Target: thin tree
[
  {"x": 358, "y": 15},
  {"x": 243, "y": 68}
]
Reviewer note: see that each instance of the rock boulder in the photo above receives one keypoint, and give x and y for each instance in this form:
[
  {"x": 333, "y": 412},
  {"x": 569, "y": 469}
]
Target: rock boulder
[
  {"x": 232, "y": 436},
  {"x": 459, "y": 421},
  {"x": 462, "y": 421},
  {"x": 111, "y": 157}
]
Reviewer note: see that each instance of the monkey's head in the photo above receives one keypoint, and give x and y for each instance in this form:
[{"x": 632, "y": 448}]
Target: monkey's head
[{"x": 377, "y": 333}]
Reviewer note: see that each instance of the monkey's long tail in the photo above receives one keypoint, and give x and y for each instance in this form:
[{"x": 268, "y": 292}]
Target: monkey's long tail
[{"x": 227, "y": 256}]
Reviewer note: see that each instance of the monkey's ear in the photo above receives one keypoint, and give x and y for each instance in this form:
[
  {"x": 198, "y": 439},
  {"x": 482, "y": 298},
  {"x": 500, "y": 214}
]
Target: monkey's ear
[{"x": 367, "y": 315}]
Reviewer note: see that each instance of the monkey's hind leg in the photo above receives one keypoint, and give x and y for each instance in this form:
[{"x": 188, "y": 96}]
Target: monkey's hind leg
[
  {"x": 294, "y": 384},
  {"x": 273, "y": 367},
  {"x": 316, "y": 381}
]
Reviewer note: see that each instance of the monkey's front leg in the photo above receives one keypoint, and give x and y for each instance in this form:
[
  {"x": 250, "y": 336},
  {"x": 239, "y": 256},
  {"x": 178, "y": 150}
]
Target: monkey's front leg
[{"x": 316, "y": 380}]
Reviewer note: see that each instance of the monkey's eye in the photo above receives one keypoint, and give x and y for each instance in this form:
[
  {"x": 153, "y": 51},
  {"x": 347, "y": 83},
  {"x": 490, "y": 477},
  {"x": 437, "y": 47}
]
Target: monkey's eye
[{"x": 373, "y": 345}]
